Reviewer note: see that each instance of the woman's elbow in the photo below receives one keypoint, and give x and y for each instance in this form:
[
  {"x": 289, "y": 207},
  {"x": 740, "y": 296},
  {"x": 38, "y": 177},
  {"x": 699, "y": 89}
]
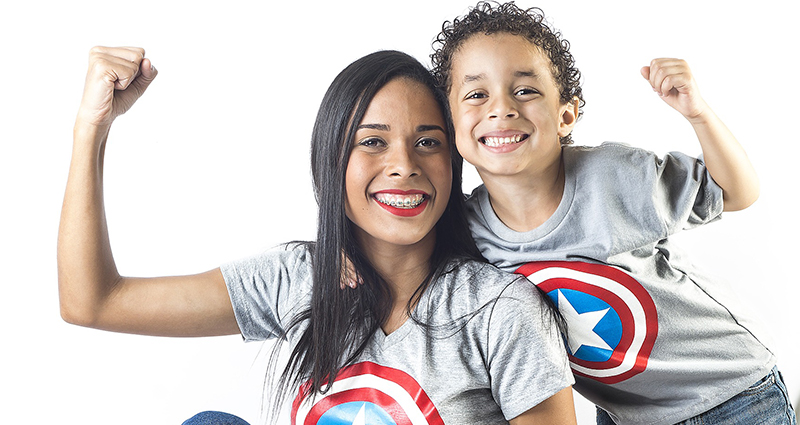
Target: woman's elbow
[
  {"x": 742, "y": 200},
  {"x": 75, "y": 314},
  {"x": 77, "y": 307}
]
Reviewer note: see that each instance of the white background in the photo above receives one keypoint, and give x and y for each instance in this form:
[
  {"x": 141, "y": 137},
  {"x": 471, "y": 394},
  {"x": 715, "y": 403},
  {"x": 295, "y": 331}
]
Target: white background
[{"x": 212, "y": 165}]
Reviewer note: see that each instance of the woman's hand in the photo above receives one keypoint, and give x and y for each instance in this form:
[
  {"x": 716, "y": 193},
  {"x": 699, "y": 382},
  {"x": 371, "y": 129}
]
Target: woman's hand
[{"x": 116, "y": 78}]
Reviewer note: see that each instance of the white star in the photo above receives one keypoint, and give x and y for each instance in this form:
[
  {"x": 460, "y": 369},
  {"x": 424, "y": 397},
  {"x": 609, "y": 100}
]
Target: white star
[
  {"x": 361, "y": 417},
  {"x": 580, "y": 330}
]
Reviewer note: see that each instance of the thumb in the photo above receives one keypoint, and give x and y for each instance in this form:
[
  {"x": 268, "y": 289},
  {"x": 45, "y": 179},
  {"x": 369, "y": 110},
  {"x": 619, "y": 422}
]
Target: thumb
[
  {"x": 124, "y": 99},
  {"x": 645, "y": 72},
  {"x": 147, "y": 73}
]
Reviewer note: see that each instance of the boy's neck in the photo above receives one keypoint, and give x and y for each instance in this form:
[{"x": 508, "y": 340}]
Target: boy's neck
[{"x": 524, "y": 202}]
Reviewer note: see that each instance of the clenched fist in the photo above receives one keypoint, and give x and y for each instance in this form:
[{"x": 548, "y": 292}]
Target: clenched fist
[{"x": 117, "y": 76}]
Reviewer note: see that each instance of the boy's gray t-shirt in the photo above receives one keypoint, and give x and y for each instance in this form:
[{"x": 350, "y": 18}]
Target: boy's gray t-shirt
[
  {"x": 492, "y": 353},
  {"x": 651, "y": 339}
]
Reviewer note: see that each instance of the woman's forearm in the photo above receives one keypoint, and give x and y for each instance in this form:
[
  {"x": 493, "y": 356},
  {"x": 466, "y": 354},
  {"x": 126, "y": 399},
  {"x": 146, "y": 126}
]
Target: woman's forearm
[{"x": 86, "y": 269}]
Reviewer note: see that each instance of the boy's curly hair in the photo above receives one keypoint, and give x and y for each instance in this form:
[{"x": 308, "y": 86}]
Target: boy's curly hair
[{"x": 491, "y": 18}]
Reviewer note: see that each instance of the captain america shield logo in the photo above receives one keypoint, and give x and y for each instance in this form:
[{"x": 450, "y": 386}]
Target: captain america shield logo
[
  {"x": 368, "y": 393},
  {"x": 612, "y": 321}
]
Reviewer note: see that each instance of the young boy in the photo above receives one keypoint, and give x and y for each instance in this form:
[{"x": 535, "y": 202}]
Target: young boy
[{"x": 651, "y": 340}]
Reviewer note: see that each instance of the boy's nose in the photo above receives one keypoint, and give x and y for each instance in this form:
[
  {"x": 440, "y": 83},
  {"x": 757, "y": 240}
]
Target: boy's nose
[{"x": 503, "y": 108}]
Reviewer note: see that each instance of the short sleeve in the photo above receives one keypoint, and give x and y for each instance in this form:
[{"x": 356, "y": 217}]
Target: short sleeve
[
  {"x": 527, "y": 360},
  {"x": 266, "y": 290},
  {"x": 686, "y": 195}
]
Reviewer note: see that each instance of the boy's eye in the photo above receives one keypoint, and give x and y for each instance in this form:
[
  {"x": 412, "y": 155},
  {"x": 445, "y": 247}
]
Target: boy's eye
[
  {"x": 526, "y": 91},
  {"x": 475, "y": 95}
]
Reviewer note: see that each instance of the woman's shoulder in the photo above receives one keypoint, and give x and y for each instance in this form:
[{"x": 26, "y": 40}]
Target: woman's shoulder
[
  {"x": 479, "y": 280},
  {"x": 289, "y": 260}
]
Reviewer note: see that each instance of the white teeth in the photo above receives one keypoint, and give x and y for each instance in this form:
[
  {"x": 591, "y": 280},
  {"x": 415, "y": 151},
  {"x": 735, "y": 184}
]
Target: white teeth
[
  {"x": 400, "y": 201},
  {"x": 500, "y": 141}
]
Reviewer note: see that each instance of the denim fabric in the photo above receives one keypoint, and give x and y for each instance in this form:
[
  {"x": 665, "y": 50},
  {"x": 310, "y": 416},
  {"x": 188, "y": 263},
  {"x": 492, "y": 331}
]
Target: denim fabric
[
  {"x": 215, "y": 418},
  {"x": 765, "y": 403}
]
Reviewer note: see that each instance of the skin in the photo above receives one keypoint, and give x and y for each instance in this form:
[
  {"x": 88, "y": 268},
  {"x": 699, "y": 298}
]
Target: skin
[
  {"x": 404, "y": 151},
  {"x": 91, "y": 291},
  {"x": 503, "y": 85},
  {"x": 400, "y": 145},
  {"x": 492, "y": 95},
  {"x": 725, "y": 158}
]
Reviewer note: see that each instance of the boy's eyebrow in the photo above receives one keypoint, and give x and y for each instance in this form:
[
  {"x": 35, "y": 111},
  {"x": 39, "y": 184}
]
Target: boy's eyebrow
[
  {"x": 470, "y": 78},
  {"x": 386, "y": 127},
  {"x": 531, "y": 74}
]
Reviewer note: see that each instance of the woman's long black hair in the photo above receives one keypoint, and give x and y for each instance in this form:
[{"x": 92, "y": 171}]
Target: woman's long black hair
[{"x": 341, "y": 322}]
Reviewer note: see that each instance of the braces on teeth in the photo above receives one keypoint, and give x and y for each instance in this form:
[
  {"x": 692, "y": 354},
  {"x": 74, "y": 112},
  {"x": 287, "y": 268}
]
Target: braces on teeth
[{"x": 405, "y": 202}]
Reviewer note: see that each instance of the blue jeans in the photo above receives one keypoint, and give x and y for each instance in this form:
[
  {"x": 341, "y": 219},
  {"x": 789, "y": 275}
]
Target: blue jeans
[
  {"x": 765, "y": 403},
  {"x": 215, "y": 418}
]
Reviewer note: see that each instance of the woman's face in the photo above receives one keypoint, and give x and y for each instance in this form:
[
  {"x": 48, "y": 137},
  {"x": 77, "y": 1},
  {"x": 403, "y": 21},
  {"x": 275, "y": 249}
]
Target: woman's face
[{"x": 399, "y": 175}]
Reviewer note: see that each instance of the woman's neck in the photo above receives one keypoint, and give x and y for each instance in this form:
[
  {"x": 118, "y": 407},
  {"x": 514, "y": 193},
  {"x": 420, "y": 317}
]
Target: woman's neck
[{"x": 404, "y": 268}]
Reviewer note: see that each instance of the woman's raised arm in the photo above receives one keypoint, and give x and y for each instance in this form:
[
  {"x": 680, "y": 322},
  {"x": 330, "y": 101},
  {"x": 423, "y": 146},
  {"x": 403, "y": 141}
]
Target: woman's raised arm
[{"x": 91, "y": 291}]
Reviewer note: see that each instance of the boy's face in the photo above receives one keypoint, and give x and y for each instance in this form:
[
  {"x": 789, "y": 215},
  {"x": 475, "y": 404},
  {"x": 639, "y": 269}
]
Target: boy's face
[{"x": 506, "y": 107}]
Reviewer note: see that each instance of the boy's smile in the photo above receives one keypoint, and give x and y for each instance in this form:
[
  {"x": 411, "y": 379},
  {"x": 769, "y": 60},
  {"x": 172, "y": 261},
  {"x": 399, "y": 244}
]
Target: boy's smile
[{"x": 506, "y": 106}]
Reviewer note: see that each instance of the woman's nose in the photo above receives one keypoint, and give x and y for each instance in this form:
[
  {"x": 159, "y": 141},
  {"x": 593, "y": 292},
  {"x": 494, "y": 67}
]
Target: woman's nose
[{"x": 401, "y": 162}]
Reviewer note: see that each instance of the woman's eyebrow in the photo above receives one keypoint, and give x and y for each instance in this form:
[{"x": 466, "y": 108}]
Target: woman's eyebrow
[
  {"x": 381, "y": 127},
  {"x": 385, "y": 127},
  {"x": 431, "y": 127}
]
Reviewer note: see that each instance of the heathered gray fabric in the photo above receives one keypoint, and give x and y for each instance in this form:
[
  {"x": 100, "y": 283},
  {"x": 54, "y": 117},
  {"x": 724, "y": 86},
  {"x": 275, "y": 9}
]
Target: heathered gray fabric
[
  {"x": 492, "y": 354},
  {"x": 620, "y": 206}
]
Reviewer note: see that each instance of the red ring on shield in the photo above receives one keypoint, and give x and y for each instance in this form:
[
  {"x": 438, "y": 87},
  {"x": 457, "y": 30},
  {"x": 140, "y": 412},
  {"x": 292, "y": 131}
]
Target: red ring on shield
[{"x": 628, "y": 298}]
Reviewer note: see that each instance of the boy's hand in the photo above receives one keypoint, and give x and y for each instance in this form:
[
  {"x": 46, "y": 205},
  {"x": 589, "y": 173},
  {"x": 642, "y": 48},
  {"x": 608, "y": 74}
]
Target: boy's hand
[
  {"x": 673, "y": 81},
  {"x": 116, "y": 78}
]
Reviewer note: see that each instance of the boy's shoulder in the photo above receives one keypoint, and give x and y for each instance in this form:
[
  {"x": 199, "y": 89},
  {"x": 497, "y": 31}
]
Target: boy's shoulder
[
  {"x": 608, "y": 156},
  {"x": 611, "y": 150}
]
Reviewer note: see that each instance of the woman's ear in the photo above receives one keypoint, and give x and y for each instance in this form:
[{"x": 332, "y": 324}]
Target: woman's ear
[{"x": 569, "y": 117}]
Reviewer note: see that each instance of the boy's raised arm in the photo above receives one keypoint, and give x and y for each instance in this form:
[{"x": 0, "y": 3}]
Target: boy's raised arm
[
  {"x": 91, "y": 291},
  {"x": 725, "y": 158}
]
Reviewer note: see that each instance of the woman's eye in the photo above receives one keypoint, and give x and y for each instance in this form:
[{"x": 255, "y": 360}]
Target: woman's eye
[
  {"x": 370, "y": 142},
  {"x": 428, "y": 142}
]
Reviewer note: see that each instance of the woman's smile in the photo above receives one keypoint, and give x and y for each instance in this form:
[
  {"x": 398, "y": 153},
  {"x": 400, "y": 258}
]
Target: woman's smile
[
  {"x": 399, "y": 174},
  {"x": 405, "y": 203}
]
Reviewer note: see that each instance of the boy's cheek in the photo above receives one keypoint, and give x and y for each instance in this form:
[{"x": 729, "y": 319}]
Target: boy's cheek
[
  {"x": 466, "y": 149},
  {"x": 465, "y": 120}
]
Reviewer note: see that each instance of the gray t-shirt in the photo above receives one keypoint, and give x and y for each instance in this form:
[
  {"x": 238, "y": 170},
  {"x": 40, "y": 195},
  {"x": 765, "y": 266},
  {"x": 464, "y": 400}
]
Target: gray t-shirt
[
  {"x": 492, "y": 353},
  {"x": 651, "y": 339}
]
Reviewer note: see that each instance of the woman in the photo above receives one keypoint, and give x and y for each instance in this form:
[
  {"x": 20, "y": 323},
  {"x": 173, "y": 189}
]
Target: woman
[{"x": 431, "y": 336}]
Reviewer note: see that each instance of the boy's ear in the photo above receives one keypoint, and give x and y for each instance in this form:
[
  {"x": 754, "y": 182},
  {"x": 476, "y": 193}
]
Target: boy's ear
[{"x": 569, "y": 117}]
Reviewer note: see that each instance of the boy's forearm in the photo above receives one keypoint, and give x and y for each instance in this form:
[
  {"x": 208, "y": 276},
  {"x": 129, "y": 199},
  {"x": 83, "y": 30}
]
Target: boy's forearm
[
  {"x": 86, "y": 269},
  {"x": 727, "y": 162}
]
